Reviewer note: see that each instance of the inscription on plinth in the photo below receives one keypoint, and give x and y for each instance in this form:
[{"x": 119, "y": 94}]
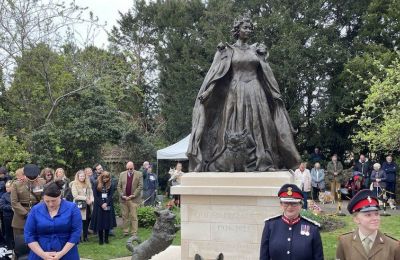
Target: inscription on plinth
[{"x": 226, "y": 218}]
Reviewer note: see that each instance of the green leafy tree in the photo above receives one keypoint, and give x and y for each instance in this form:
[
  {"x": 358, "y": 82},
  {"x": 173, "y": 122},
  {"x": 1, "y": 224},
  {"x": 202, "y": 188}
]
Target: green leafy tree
[
  {"x": 13, "y": 153},
  {"x": 79, "y": 130},
  {"x": 40, "y": 79},
  {"x": 375, "y": 40},
  {"x": 378, "y": 116}
]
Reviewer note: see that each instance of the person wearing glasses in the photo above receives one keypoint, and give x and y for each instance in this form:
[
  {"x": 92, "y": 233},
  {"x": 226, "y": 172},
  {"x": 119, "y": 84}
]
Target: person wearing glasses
[
  {"x": 47, "y": 174},
  {"x": 130, "y": 186},
  {"x": 289, "y": 235},
  {"x": 366, "y": 242}
]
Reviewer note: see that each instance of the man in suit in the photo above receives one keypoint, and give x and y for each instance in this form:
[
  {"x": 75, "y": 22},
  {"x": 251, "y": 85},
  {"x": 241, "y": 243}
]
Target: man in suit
[
  {"x": 335, "y": 175},
  {"x": 366, "y": 242},
  {"x": 130, "y": 186}
]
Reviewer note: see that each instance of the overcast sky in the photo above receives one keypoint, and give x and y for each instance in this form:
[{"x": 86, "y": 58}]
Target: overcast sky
[{"x": 106, "y": 11}]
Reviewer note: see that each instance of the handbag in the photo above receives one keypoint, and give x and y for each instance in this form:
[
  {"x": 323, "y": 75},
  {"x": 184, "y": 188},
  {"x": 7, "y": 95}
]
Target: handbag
[{"x": 81, "y": 204}]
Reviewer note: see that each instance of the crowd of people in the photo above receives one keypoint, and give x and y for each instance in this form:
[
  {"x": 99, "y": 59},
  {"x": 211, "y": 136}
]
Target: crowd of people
[
  {"x": 379, "y": 178},
  {"x": 71, "y": 209}
]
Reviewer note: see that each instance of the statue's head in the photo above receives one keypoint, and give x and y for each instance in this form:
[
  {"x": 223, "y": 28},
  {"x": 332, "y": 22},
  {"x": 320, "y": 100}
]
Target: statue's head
[{"x": 239, "y": 22}]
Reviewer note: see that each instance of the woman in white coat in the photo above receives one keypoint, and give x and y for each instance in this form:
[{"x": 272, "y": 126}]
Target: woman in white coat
[
  {"x": 303, "y": 180},
  {"x": 83, "y": 196}
]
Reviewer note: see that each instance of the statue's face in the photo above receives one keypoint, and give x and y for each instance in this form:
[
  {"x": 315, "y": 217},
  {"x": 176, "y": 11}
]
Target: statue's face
[{"x": 245, "y": 31}]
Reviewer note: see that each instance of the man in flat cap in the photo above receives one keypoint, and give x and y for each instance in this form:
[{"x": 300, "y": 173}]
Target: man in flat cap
[
  {"x": 25, "y": 193},
  {"x": 367, "y": 242},
  {"x": 290, "y": 236}
]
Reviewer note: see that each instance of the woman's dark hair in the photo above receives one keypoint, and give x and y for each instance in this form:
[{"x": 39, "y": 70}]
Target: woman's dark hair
[
  {"x": 238, "y": 22},
  {"x": 53, "y": 189}
]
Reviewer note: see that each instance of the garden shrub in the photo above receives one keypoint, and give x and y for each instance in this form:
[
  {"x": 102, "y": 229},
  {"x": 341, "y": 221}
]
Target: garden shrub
[
  {"x": 328, "y": 222},
  {"x": 146, "y": 216}
]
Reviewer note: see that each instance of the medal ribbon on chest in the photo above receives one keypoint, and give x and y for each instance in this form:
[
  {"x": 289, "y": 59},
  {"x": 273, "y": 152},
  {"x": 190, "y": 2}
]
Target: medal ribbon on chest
[{"x": 305, "y": 230}]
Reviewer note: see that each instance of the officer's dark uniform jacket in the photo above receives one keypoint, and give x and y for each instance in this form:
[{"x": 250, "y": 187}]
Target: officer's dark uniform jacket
[{"x": 286, "y": 240}]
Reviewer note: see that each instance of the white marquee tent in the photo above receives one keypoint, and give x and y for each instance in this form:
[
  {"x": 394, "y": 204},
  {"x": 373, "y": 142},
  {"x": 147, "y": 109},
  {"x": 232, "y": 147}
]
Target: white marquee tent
[{"x": 176, "y": 151}]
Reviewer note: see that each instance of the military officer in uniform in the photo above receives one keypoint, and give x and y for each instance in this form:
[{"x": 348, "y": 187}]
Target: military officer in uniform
[
  {"x": 25, "y": 193},
  {"x": 366, "y": 242},
  {"x": 291, "y": 236}
]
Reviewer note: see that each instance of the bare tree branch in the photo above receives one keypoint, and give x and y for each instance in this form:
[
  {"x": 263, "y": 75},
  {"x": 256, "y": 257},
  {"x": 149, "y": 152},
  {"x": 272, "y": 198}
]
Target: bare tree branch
[{"x": 57, "y": 101}]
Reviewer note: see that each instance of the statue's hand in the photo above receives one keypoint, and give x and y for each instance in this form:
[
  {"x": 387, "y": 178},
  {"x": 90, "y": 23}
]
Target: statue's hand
[
  {"x": 261, "y": 49},
  {"x": 203, "y": 97}
]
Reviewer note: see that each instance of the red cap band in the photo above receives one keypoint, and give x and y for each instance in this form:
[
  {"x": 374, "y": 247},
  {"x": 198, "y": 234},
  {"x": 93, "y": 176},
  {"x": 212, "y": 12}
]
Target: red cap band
[
  {"x": 365, "y": 203},
  {"x": 294, "y": 195}
]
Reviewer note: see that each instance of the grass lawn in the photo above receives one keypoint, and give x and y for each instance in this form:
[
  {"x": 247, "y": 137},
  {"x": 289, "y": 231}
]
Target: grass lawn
[
  {"x": 389, "y": 225},
  {"x": 116, "y": 248}
]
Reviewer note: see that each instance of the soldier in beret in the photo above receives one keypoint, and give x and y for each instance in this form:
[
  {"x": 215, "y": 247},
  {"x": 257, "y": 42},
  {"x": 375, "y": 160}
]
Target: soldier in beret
[
  {"x": 291, "y": 236},
  {"x": 25, "y": 193},
  {"x": 367, "y": 242}
]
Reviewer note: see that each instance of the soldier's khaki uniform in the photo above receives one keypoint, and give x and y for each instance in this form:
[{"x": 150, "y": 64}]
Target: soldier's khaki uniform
[
  {"x": 384, "y": 248},
  {"x": 24, "y": 195}
]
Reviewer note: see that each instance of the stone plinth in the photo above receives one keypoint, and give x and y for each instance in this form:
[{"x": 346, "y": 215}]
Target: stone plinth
[{"x": 225, "y": 212}]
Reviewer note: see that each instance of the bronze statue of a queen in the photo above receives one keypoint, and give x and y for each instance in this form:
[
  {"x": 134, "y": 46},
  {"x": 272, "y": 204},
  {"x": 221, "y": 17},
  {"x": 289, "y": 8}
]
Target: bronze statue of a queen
[{"x": 240, "y": 122}]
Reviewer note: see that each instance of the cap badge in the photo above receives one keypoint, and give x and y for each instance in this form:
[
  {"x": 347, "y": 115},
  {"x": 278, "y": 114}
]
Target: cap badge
[
  {"x": 289, "y": 191},
  {"x": 369, "y": 199}
]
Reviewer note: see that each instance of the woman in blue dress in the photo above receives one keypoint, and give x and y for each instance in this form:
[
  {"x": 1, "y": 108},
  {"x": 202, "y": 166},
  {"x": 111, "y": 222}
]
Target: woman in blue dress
[{"x": 53, "y": 227}]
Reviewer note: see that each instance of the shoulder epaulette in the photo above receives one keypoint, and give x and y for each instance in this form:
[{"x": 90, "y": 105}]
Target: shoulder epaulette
[
  {"x": 350, "y": 232},
  {"x": 273, "y": 217},
  {"x": 344, "y": 234},
  {"x": 312, "y": 221},
  {"x": 389, "y": 236},
  {"x": 221, "y": 46}
]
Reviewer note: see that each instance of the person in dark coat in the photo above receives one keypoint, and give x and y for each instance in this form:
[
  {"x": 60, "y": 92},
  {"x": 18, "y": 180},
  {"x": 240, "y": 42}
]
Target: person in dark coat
[
  {"x": 103, "y": 217},
  {"x": 53, "y": 227},
  {"x": 290, "y": 236},
  {"x": 97, "y": 170},
  {"x": 364, "y": 167},
  {"x": 4, "y": 177},
  {"x": 317, "y": 156},
  {"x": 8, "y": 213},
  {"x": 150, "y": 186},
  {"x": 390, "y": 168}
]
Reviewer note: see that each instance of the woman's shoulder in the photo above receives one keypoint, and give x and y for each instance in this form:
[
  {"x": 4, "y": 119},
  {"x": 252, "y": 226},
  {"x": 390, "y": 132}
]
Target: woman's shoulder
[
  {"x": 67, "y": 204},
  {"x": 40, "y": 207}
]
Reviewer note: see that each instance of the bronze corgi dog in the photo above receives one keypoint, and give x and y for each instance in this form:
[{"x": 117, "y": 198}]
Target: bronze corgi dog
[{"x": 164, "y": 231}]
